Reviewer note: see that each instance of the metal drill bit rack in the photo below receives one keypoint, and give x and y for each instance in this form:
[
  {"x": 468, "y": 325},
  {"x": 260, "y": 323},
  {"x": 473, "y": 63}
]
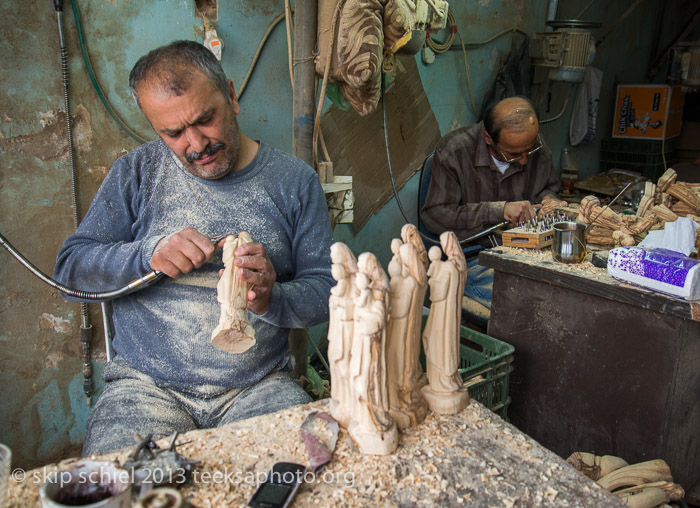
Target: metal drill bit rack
[{"x": 536, "y": 233}]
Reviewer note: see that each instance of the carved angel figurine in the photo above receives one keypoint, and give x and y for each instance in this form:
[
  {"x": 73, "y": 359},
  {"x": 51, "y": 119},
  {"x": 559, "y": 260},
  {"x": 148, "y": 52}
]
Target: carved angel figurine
[
  {"x": 340, "y": 331},
  {"x": 415, "y": 379},
  {"x": 445, "y": 394},
  {"x": 371, "y": 427},
  {"x": 234, "y": 334}
]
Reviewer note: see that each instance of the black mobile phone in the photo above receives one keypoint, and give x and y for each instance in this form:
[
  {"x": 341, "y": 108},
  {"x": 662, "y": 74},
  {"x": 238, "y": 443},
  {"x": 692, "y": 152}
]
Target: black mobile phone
[{"x": 279, "y": 486}]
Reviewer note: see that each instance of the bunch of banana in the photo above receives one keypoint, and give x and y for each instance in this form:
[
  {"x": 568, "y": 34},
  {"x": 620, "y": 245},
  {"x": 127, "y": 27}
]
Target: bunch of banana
[{"x": 643, "y": 485}]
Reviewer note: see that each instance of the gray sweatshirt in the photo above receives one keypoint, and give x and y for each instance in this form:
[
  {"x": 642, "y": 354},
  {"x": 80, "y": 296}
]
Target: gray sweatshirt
[{"x": 164, "y": 331}]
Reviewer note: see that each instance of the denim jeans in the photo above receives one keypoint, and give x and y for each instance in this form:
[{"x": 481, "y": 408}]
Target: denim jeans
[
  {"x": 479, "y": 286},
  {"x": 133, "y": 403}
]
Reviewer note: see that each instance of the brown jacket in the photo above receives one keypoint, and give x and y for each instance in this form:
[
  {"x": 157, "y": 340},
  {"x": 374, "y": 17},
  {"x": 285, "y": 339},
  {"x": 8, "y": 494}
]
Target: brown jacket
[{"x": 467, "y": 193}]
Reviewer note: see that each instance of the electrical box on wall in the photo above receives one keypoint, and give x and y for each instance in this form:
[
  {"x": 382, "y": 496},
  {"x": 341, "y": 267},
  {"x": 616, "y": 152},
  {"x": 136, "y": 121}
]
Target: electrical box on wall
[
  {"x": 564, "y": 53},
  {"x": 648, "y": 111}
]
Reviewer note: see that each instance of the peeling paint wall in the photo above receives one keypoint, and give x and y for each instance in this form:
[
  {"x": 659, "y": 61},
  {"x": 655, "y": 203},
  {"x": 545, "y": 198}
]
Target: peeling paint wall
[{"x": 42, "y": 407}]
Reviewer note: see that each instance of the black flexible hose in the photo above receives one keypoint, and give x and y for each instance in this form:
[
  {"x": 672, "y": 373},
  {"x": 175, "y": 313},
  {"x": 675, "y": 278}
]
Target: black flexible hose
[
  {"x": 139, "y": 283},
  {"x": 396, "y": 194},
  {"x": 85, "y": 327}
]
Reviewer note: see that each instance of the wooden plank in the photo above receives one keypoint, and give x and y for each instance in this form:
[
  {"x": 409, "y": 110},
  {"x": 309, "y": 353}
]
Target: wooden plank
[{"x": 592, "y": 280}]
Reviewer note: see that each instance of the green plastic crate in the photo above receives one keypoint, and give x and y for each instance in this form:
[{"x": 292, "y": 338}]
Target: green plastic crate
[
  {"x": 485, "y": 365},
  {"x": 640, "y": 155}
]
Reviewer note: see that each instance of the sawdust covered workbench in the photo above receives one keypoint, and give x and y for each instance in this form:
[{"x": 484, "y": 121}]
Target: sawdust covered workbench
[
  {"x": 470, "y": 459},
  {"x": 599, "y": 365}
]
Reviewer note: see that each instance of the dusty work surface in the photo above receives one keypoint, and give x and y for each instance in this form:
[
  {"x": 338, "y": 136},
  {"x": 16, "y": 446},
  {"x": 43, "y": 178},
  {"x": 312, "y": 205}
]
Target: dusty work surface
[
  {"x": 470, "y": 459},
  {"x": 539, "y": 265}
]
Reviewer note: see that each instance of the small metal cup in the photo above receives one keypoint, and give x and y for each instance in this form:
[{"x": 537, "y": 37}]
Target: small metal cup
[
  {"x": 568, "y": 245},
  {"x": 90, "y": 484}
]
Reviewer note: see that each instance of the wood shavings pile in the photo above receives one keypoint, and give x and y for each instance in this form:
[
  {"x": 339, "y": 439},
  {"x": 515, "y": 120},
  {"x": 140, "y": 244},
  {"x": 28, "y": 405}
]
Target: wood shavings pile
[
  {"x": 544, "y": 258},
  {"x": 473, "y": 458}
]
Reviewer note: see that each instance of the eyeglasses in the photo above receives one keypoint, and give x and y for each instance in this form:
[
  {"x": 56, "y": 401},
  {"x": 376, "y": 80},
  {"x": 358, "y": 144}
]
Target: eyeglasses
[{"x": 536, "y": 147}]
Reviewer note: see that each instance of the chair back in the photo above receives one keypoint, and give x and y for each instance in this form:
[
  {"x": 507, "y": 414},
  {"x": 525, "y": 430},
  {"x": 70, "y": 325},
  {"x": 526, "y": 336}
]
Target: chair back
[{"x": 423, "y": 183}]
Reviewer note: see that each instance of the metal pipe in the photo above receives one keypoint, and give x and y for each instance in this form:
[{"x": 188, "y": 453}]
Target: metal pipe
[
  {"x": 108, "y": 333},
  {"x": 303, "y": 109},
  {"x": 484, "y": 232},
  {"x": 304, "y": 79},
  {"x": 552, "y": 13}
]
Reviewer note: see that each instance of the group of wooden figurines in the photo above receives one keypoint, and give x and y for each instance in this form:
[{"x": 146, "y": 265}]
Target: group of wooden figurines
[{"x": 374, "y": 336}]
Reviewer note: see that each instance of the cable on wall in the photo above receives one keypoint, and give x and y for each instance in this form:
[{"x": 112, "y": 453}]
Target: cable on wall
[{"x": 96, "y": 84}]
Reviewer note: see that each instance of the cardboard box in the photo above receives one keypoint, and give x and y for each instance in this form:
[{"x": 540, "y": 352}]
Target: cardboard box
[{"x": 648, "y": 111}]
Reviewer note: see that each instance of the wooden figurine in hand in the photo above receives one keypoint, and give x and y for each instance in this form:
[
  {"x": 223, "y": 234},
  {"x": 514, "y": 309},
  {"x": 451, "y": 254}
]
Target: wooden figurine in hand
[
  {"x": 340, "y": 331},
  {"x": 234, "y": 334},
  {"x": 371, "y": 426},
  {"x": 445, "y": 393}
]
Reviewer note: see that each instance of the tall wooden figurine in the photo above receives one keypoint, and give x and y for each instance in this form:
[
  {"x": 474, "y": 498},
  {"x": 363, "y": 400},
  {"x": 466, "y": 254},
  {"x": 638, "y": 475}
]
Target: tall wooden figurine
[
  {"x": 445, "y": 393},
  {"x": 407, "y": 290},
  {"x": 400, "y": 293},
  {"x": 379, "y": 284},
  {"x": 234, "y": 334},
  {"x": 371, "y": 426},
  {"x": 410, "y": 235},
  {"x": 340, "y": 331}
]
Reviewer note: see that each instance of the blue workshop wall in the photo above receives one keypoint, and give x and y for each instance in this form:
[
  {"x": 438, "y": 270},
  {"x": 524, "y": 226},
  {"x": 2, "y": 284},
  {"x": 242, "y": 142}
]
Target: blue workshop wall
[
  {"x": 446, "y": 86},
  {"x": 624, "y": 54},
  {"x": 42, "y": 407}
]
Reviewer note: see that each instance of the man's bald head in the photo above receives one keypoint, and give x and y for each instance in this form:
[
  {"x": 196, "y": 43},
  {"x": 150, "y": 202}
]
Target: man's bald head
[{"x": 514, "y": 114}]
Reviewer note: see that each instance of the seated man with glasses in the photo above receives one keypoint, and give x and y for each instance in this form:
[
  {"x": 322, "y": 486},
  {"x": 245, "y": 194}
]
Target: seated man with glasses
[{"x": 482, "y": 174}]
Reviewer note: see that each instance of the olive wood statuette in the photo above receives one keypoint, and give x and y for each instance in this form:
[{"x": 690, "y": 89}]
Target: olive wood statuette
[
  {"x": 371, "y": 427},
  {"x": 407, "y": 290},
  {"x": 445, "y": 393},
  {"x": 340, "y": 331},
  {"x": 234, "y": 334}
]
